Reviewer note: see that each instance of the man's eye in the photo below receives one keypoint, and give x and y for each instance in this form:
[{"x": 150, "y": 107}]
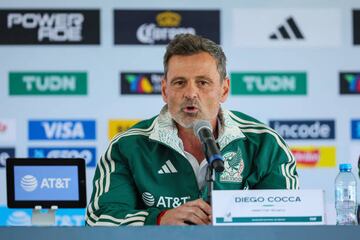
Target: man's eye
[
  {"x": 203, "y": 83},
  {"x": 178, "y": 83}
]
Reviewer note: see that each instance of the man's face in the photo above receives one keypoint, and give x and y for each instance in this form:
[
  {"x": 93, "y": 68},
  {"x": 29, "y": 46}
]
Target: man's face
[{"x": 192, "y": 88}]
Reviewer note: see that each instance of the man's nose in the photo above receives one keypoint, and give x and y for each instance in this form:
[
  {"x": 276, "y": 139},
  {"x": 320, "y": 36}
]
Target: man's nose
[{"x": 191, "y": 90}]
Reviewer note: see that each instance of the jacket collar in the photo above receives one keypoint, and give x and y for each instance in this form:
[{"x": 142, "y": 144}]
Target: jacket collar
[{"x": 165, "y": 130}]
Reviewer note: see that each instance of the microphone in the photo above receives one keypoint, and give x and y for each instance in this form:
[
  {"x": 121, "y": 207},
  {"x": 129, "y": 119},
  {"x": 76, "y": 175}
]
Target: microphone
[{"x": 203, "y": 131}]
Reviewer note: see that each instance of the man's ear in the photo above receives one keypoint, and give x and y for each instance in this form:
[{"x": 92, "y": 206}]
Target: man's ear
[
  {"x": 163, "y": 90},
  {"x": 225, "y": 90}
]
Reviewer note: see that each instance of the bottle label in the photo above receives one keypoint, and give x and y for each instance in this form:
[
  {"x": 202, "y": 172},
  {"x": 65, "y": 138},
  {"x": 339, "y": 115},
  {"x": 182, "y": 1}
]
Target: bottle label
[{"x": 345, "y": 194}]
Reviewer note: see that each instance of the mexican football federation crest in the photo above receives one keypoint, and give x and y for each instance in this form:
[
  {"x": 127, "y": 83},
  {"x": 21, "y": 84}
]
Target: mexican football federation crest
[{"x": 234, "y": 166}]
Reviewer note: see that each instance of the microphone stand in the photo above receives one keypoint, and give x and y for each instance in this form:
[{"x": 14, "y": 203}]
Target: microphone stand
[{"x": 209, "y": 178}]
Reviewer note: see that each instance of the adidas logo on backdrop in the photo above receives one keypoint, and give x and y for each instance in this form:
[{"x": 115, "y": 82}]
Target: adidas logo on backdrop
[{"x": 289, "y": 30}]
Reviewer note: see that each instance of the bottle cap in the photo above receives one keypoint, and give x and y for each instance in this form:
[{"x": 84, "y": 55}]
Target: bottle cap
[{"x": 345, "y": 167}]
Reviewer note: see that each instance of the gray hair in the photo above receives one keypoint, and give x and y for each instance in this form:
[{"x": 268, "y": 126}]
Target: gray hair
[{"x": 188, "y": 44}]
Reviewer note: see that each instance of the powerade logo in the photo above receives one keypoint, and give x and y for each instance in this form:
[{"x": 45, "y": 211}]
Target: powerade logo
[
  {"x": 22, "y": 217},
  {"x": 268, "y": 83},
  {"x": 47, "y": 83},
  {"x": 355, "y": 129},
  {"x": 350, "y": 83},
  {"x": 62, "y": 130},
  {"x": 87, "y": 153},
  {"x": 304, "y": 129},
  {"x": 6, "y": 153},
  {"x": 141, "y": 83},
  {"x": 160, "y": 27},
  {"x": 356, "y": 26},
  {"x": 55, "y": 26}
]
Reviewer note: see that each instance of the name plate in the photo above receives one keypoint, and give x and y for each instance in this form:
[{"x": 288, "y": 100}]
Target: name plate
[{"x": 268, "y": 207}]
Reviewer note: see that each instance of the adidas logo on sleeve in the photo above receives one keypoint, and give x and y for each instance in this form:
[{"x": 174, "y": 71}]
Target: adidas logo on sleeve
[{"x": 168, "y": 167}]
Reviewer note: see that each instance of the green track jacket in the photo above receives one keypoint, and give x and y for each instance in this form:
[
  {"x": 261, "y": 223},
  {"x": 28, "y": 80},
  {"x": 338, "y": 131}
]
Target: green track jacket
[{"x": 144, "y": 170}]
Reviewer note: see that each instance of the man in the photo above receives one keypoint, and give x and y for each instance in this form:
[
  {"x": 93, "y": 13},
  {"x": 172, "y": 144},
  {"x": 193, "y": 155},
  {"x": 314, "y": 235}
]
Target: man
[{"x": 154, "y": 173}]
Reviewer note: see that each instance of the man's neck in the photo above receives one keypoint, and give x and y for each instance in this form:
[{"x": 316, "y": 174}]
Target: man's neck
[{"x": 192, "y": 143}]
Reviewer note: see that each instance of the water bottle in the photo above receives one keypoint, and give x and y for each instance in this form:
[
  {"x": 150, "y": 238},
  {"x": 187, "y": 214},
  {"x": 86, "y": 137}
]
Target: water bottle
[{"x": 345, "y": 196}]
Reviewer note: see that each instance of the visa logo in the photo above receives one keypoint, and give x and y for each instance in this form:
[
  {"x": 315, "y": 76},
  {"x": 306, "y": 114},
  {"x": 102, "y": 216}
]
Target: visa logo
[
  {"x": 61, "y": 130},
  {"x": 355, "y": 129},
  {"x": 87, "y": 153},
  {"x": 304, "y": 129}
]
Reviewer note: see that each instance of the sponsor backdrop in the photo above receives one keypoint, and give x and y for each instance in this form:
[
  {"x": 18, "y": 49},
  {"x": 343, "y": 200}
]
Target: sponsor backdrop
[{"x": 73, "y": 77}]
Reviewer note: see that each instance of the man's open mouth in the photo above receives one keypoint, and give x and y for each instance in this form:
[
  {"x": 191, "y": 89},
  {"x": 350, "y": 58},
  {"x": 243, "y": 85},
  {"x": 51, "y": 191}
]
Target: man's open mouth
[{"x": 191, "y": 109}]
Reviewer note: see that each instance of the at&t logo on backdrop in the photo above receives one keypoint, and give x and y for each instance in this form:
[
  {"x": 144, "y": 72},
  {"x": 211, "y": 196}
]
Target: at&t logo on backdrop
[{"x": 64, "y": 217}]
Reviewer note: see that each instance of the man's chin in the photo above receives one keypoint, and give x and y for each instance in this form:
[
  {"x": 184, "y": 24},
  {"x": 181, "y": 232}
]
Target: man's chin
[{"x": 187, "y": 123}]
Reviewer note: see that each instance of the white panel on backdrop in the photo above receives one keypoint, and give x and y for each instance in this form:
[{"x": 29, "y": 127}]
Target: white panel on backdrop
[
  {"x": 7, "y": 131},
  {"x": 354, "y": 160},
  {"x": 286, "y": 28}
]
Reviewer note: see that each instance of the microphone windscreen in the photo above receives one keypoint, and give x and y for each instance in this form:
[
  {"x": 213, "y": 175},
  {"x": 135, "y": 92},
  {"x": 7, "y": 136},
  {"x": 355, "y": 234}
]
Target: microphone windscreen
[{"x": 200, "y": 124}]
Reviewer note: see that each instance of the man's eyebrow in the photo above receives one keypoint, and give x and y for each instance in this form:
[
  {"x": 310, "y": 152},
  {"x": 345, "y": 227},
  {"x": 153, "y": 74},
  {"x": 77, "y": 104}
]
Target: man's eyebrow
[{"x": 204, "y": 77}]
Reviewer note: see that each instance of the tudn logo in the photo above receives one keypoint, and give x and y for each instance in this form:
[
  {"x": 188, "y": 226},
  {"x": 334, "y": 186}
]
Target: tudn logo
[
  {"x": 29, "y": 183},
  {"x": 19, "y": 218},
  {"x": 148, "y": 199},
  {"x": 289, "y": 30}
]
